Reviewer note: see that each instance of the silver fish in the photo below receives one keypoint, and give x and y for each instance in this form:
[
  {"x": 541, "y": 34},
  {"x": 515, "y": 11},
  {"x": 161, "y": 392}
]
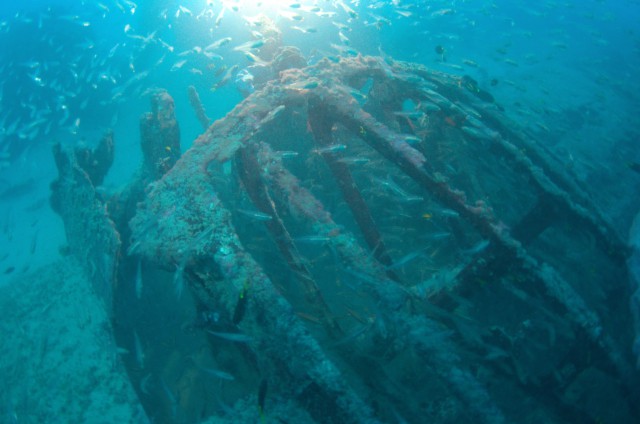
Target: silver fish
[
  {"x": 232, "y": 337},
  {"x": 219, "y": 374},
  {"x": 139, "y": 279},
  {"x": 257, "y": 215},
  {"x": 329, "y": 149},
  {"x": 139, "y": 350}
]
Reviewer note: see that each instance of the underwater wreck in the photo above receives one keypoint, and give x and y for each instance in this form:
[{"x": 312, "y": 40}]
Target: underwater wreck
[{"x": 359, "y": 241}]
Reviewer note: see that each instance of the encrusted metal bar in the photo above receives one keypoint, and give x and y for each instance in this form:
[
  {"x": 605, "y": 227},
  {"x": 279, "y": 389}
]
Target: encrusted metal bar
[
  {"x": 160, "y": 135},
  {"x": 481, "y": 121},
  {"x": 182, "y": 199},
  {"x": 249, "y": 171},
  {"x": 559, "y": 196},
  {"x": 343, "y": 108},
  {"x": 580, "y": 313},
  {"x": 198, "y": 108},
  {"x": 183, "y": 220},
  {"x": 391, "y": 145},
  {"x": 610, "y": 244},
  {"x": 564, "y": 191},
  {"x": 322, "y": 133},
  {"x": 490, "y": 263},
  {"x": 420, "y": 332},
  {"x": 91, "y": 234},
  {"x": 221, "y": 272},
  {"x": 540, "y": 217}
]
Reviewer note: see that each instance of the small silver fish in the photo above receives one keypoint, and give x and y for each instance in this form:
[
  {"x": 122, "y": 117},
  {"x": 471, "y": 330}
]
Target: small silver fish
[
  {"x": 305, "y": 30},
  {"x": 179, "y": 64},
  {"x": 144, "y": 384},
  {"x": 437, "y": 236},
  {"x": 312, "y": 239},
  {"x": 171, "y": 397},
  {"x": 477, "y": 248},
  {"x": 354, "y": 161},
  {"x": 329, "y": 149},
  {"x": 139, "y": 349},
  {"x": 257, "y": 215},
  {"x": 272, "y": 114},
  {"x": 447, "y": 213},
  {"x": 412, "y": 139},
  {"x": 219, "y": 374},
  {"x": 218, "y": 43},
  {"x": 405, "y": 259},
  {"x": 232, "y": 337},
  {"x": 304, "y": 85},
  {"x": 139, "y": 279},
  {"x": 250, "y": 45},
  {"x": 285, "y": 154},
  {"x": 226, "y": 77}
]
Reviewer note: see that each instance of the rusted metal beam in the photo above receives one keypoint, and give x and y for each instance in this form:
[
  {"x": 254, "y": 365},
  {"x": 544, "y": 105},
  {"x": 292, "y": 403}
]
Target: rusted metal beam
[
  {"x": 198, "y": 108},
  {"x": 415, "y": 330},
  {"x": 288, "y": 355},
  {"x": 341, "y": 107},
  {"x": 322, "y": 133},
  {"x": 249, "y": 171}
]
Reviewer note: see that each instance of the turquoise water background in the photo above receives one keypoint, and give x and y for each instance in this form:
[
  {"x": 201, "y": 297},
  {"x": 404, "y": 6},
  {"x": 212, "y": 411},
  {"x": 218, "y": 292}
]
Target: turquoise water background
[{"x": 568, "y": 72}]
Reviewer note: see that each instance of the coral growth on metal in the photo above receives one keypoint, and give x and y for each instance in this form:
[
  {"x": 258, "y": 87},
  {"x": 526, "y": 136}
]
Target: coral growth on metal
[{"x": 401, "y": 246}]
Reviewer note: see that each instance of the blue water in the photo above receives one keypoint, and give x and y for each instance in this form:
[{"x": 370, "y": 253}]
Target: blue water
[{"x": 564, "y": 72}]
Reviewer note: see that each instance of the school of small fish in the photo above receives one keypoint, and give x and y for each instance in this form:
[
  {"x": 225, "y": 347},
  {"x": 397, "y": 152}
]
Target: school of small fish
[{"x": 66, "y": 78}]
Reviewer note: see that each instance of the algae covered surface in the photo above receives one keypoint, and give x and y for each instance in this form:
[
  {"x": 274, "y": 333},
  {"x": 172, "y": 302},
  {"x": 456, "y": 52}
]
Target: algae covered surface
[{"x": 58, "y": 360}]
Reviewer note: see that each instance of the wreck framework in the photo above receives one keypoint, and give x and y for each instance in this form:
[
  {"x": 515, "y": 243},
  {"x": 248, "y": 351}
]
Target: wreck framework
[{"x": 394, "y": 248}]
